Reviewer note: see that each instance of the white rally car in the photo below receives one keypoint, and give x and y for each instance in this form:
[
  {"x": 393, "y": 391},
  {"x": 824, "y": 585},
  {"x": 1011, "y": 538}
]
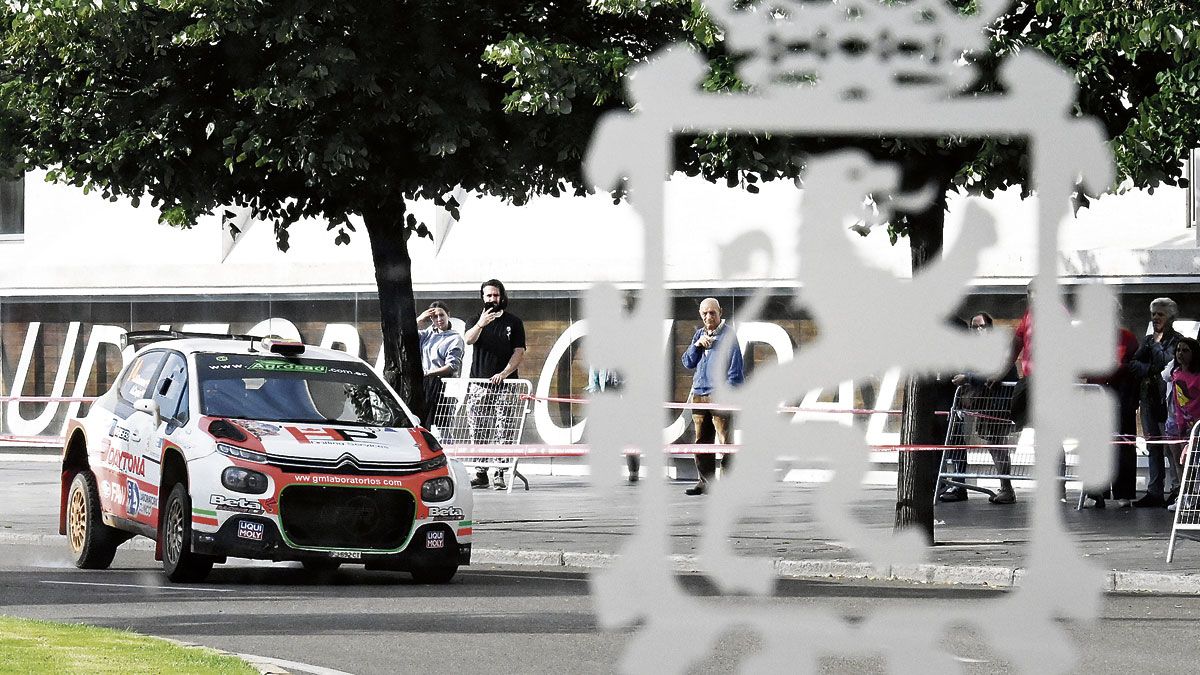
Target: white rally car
[{"x": 238, "y": 446}]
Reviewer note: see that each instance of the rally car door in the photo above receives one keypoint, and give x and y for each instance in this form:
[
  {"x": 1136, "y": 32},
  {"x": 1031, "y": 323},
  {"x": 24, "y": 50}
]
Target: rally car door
[
  {"x": 129, "y": 466},
  {"x": 169, "y": 393}
]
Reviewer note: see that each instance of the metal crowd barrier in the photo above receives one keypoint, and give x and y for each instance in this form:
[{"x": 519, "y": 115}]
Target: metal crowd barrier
[
  {"x": 981, "y": 416},
  {"x": 1187, "y": 505},
  {"x": 473, "y": 411}
]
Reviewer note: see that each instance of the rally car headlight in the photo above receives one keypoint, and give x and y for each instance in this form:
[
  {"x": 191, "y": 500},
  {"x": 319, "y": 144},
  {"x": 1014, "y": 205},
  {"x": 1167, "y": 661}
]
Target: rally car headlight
[
  {"x": 431, "y": 441},
  {"x": 433, "y": 463},
  {"x": 241, "y": 453},
  {"x": 437, "y": 489},
  {"x": 244, "y": 480}
]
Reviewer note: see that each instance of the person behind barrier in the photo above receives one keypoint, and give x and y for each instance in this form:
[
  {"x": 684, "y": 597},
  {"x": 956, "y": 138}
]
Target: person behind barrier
[
  {"x": 602, "y": 380},
  {"x": 701, "y": 356},
  {"x": 1156, "y": 350},
  {"x": 498, "y": 336},
  {"x": 1022, "y": 354},
  {"x": 987, "y": 431},
  {"x": 1182, "y": 377},
  {"x": 441, "y": 356},
  {"x": 1125, "y": 388}
]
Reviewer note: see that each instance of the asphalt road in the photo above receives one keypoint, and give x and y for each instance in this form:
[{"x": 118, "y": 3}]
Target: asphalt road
[{"x": 490, "y": 619}]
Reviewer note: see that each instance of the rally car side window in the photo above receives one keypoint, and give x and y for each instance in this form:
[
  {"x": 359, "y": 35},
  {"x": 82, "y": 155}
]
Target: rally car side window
[
  {"x": 141, "y": 373},
  {"x": 170, "y": 389}
]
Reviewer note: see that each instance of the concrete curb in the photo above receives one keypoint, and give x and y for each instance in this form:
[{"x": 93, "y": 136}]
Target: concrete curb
[
  {"x": 1155, "y": 582},
  {"x": 262, "y": 667},
  {"x": 1117, "y": 581},
  {"x": 1163, "y": 583}
]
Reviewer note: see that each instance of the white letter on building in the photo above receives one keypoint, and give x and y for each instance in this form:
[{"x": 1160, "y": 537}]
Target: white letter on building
[
  {"x": 100, "y": 335},
  {"x": 17, "y": 424}
]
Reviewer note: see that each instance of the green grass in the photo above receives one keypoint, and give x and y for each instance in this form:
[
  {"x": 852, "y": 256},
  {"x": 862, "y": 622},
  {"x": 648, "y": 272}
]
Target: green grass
[{"x": 28, "y": 646}]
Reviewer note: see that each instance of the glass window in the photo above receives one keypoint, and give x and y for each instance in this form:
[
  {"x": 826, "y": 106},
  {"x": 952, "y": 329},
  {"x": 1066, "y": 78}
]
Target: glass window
[
  {"x": 12, "y": 208},
  {"x": 273, "y": 389},
  {"x": 141, "y": 371},
  {"x": 170, "y": 390}
]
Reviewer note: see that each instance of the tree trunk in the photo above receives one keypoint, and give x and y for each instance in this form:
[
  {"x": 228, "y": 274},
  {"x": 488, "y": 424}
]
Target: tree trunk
[
  {"x": 397, "y": 308},
  {"x": 916, "y": 481}
]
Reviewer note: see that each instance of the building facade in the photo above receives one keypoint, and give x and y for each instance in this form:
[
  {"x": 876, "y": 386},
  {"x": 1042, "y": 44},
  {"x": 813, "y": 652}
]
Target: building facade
[{"x": 78, "y": 270}]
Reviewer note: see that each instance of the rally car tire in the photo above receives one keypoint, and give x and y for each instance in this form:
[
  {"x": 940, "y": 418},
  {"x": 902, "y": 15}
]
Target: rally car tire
[
  {"x": 179, "y": 562},
  {"x": 93, "y": 544},
  {"x": 434, "y": 575}
]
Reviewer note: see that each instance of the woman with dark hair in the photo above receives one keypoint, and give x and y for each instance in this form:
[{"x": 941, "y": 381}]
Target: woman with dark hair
[{"x": 441, "y": 356}]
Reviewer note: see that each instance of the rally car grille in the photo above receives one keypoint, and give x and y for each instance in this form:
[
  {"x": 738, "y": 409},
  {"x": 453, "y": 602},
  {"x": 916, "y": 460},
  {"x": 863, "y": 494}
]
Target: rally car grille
[
  {"x": 346, "y": 517},
  {"x": 350, "y": 465}
]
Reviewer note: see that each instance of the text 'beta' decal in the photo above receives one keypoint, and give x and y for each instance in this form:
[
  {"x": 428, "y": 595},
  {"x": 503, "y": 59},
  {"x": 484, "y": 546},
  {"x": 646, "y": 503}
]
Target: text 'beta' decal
[
  {"x": 446, "y": 513},
  {"x": 239, "y": 504}
]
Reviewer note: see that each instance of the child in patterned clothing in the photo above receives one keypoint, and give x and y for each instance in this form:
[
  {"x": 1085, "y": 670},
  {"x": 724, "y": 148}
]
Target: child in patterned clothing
[{"x": 1183, "y": 393}]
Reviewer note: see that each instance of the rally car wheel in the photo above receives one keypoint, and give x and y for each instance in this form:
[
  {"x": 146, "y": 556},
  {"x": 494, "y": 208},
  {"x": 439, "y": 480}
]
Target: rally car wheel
[
  {"x": 93, "y": 544},
  {"x": 434, "y": 575},
  {"x": 179, "y": 562}
]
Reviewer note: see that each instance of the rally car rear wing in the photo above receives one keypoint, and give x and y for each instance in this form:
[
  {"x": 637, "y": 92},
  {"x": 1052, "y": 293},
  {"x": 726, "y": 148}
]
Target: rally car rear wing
[
  {"x": 270, "y": 344},
  {"x": 145, "y": 337}
]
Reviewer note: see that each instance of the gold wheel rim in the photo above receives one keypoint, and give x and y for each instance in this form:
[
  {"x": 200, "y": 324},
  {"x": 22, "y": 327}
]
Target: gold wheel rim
[
  {"x": 173, "y": 532},
  {"x": 77, "y": 520}
]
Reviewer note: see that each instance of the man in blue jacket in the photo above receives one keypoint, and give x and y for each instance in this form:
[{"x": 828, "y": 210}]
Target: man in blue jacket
[{"x": 709, "y": 342}]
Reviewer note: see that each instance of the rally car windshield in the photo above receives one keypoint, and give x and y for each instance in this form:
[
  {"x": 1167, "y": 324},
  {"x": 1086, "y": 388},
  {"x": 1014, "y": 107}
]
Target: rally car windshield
[{"x": 276, "y": 389}]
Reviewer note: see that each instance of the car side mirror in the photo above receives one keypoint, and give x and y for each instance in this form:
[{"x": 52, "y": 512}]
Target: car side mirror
[{"x": 148, "y": 406}]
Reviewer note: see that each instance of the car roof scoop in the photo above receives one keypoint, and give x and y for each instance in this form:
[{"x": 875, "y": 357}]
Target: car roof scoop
[
  {"x": 282, "y": 347},
  {"x": 226, "y": 429}
]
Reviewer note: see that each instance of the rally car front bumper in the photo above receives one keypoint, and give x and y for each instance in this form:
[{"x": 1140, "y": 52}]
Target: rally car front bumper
[{"x": 257, "y": 537}]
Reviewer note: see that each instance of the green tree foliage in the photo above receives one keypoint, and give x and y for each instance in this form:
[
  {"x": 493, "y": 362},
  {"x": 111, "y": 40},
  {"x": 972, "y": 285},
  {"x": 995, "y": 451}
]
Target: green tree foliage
[
  {"x": 1137, "y": 64},
  {"x": 299, "y": 109}
]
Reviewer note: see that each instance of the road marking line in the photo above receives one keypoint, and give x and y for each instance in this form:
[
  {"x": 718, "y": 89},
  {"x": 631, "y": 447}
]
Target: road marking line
[
  {"x": 160, "y": 588},
  {"x": 293, "y": 665},
  {"x": 484, "y": 573},
  {"x": 18, "y": 457}
]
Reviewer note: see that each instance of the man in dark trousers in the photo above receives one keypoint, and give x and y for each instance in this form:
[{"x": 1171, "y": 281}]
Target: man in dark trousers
[
  {"x": 1156, "y": 350},
  {"x": 498, "y": 337},
  {"x": 701, "y": 356}
]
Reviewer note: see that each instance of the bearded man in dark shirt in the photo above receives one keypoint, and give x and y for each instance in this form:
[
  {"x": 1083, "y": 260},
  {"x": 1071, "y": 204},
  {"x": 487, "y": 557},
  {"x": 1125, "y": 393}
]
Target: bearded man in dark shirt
[{"x": 498, "y": 337}]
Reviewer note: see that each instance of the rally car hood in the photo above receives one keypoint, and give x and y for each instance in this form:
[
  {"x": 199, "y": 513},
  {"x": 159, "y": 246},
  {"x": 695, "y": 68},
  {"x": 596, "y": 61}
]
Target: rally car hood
[{"x": 321, "y": 443}]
